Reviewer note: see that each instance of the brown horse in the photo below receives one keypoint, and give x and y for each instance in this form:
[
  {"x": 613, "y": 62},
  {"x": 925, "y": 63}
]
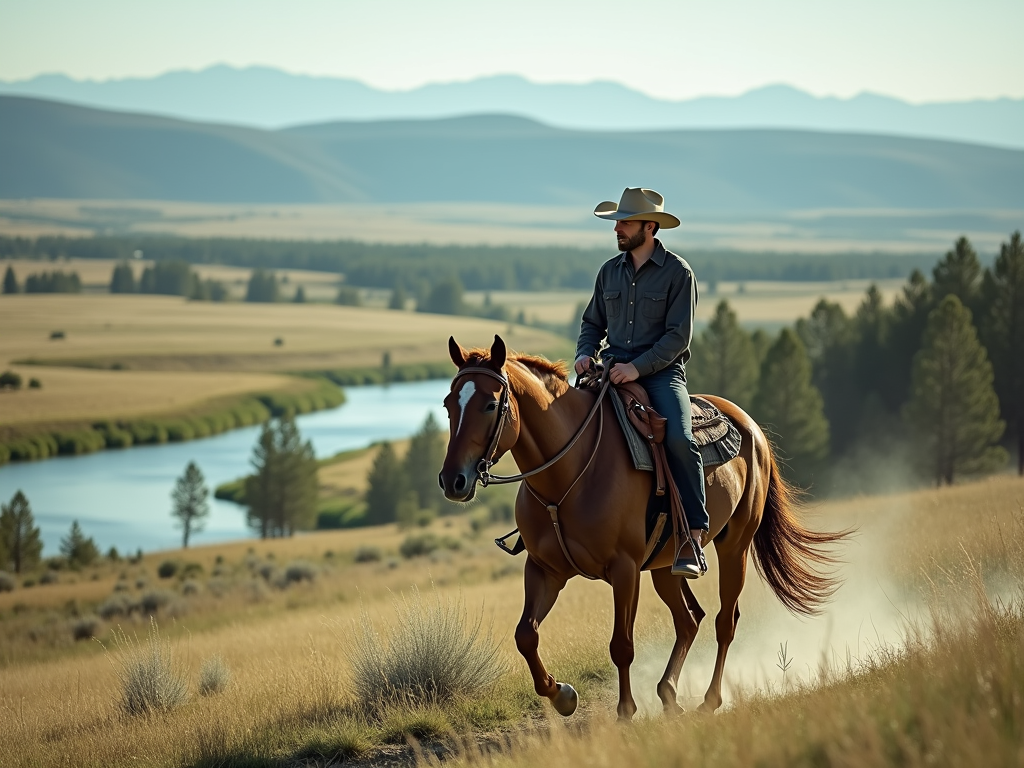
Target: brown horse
[{"x": 525, "y": 405}]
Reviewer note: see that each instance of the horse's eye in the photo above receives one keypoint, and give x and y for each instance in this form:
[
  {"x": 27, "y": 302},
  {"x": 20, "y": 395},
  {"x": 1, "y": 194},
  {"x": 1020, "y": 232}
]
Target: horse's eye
[{"x": 492, "y": 406}]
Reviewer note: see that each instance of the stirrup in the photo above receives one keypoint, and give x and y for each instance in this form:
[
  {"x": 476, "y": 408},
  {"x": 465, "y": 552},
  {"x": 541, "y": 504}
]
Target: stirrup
[{"x": 693, "y": 566}]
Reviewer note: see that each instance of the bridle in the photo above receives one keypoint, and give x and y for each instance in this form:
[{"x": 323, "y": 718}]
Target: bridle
[{"x": 483, "y": 466}]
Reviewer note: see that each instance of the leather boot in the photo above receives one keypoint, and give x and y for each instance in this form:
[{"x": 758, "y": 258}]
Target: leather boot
[{"x": 690, "y": 562}]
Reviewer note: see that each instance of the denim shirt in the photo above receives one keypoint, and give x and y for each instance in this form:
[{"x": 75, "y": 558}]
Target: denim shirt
[{"x": 656, "y": 336}]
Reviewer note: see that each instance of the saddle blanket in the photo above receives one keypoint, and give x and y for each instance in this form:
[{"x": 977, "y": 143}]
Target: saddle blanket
[{"x": 716, "y": 436}]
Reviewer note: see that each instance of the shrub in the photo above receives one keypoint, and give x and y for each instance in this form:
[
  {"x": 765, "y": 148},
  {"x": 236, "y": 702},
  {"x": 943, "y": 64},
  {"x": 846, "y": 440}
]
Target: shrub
[
  {"x": 28, "y": 583},
  {"x": 57, "y": 335},
  {"x": 10, "y": 380},
  {"x": 267, "y": 571},
  {"x": 153, "y": 601},
  {"x": 432, "y": 653},
  {"x": 151, "y": 680},
  {"x": 417, "y": 546},
  {"x": 85, "y": 627},
  {"x": 191, "y": 570},
  {"x": 34, "y": 383},
  {"x": 116, "y": 605},
  {"x": 50, "y": 577},
  {"x": 214, "y": 676},
  {"x": 368, "y": 555},
  {"x": 190, "y": 587},
  {"x": 167, "y": 569},
  {"x": 425, "y": 543},
  {"x": 300, "y": 571},
  {"x": 7, "y": 582}
]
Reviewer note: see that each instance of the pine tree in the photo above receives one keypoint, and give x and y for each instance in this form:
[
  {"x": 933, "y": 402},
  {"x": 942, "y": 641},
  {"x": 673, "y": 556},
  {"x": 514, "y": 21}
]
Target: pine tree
[
  {"x": 11, "y": 281},
  {"x": 263, "y": 486},
  {"x": 791, "y": 406},
  {"x": 123, "y": 279},
  {"x": 723, "y": 361},
  {"x": 190, "y": 505},
  {"x": 423, "y": 462},
  {"x": 953, "y": 407},
  {"x": 959, "y": 274},
  {"x": 830, "y": 338},
  {"x": 1004, "y": 336},
  {"x": 386, "y": 486},
  {"x": 398, "y": 298},
  {"x": 282, "y": 493},
  {"x": 262, "y": 286},
  {"x": 76, "y": 548},
  {"x": 300, "y": 295},
  {"x": 299, "y": 485},
  {"x": 20, "y": 542}
]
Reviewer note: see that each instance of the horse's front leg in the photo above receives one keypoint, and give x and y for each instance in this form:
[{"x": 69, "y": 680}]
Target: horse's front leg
[
  {"x": 541, "y": 592},
  {"x": 624, "y": 575}
]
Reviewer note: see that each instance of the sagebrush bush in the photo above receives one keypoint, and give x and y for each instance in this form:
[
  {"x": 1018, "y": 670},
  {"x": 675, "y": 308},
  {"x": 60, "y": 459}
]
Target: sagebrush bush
[
  {"x": 368, "y": 555},
  {"x": 167, "y": 569},
  {"x": 7, "y": 582},
  {"x": 151, "y": 679},
  {"x": 300, "y": 571},
  {"x": 85, "y": 627},
  {"x": 214, "y": 676},
  {"x": 425, "y": 543},
  {"x": 152, "y": 602},
  {"x": 50, "y": 577},
  {"x": 433, "y": 652},
  {"x": 118, "y": 604},
  {"x": 190, "y": 587}
]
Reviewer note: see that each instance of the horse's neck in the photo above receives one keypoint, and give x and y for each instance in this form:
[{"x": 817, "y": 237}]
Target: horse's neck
[{"x": 546, "y": 424}]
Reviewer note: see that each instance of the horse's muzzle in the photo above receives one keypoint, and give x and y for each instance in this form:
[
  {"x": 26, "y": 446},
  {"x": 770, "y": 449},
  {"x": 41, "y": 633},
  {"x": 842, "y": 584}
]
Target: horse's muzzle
[{"x": 458, "y": 486}]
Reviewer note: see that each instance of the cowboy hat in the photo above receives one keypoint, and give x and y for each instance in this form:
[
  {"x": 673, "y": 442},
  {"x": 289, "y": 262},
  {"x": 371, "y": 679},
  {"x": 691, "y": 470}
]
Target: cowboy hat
[{"x": 637, "y": 204}]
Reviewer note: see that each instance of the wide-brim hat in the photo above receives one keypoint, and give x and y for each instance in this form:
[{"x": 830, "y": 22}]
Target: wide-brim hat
[{"x": 637, "y": 204}]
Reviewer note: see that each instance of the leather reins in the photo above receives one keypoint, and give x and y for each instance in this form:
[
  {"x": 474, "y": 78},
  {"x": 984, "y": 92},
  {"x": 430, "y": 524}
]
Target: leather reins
[{"x": 483, "y": 466}]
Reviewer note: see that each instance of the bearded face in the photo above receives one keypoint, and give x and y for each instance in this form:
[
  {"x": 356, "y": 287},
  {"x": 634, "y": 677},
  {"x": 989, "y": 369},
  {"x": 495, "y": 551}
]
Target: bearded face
[{"x": 629, "y": 242}]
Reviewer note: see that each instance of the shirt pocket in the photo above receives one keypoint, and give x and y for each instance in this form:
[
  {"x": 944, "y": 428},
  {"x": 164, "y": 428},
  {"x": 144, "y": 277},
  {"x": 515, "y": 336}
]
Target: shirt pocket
[
  {"x": 654, "y": 304},
  {"x": 613, "y": 303}
]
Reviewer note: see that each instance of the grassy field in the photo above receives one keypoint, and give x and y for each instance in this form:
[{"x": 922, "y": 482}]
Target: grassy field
[
  {"x": 863, "y": 687},
  {"x": 758, "y": 304},
  {"x": 804, "y": 231},
  {"x": 130, "y": 355}
]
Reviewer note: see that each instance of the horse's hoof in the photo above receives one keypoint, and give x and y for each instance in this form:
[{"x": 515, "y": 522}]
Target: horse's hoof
[
  {"x": 566, "y": 700},
  {"x": 706, "y": 709}
]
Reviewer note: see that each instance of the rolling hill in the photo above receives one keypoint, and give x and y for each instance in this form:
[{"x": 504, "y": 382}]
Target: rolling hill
[{"x": 50, "y": 149}]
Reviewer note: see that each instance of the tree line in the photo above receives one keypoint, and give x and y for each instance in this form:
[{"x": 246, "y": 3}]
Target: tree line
[
  {"x": 374, "y": 265},
  {"x": 934, "y": 380},
  {"x": 43, "y": 282}
]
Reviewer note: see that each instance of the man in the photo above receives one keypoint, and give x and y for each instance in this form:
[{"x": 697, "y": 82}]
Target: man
[{"x": 644, "y": 301}]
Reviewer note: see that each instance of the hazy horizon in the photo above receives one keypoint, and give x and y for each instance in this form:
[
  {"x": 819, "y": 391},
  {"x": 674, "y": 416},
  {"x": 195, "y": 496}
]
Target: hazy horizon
[{"x": 688, "y": 50}]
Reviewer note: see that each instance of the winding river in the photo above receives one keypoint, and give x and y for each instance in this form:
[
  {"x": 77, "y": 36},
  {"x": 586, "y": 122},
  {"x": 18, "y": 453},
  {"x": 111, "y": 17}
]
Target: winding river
[{"x": 122, "y": 497}]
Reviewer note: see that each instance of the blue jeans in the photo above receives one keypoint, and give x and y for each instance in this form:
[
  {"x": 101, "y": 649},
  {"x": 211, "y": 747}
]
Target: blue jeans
[{"x": 667, "y": 390}]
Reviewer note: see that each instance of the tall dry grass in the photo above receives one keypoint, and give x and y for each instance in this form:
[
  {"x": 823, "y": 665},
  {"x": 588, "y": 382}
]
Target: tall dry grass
[{"x": 857, "y": 692}]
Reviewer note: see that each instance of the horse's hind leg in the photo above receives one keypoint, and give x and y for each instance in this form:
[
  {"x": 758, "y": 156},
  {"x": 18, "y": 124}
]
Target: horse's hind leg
[
  {"x": 686, "y": 616},
  {"x": 541, "y": 592},
  {"x": 732, "y": 567}
]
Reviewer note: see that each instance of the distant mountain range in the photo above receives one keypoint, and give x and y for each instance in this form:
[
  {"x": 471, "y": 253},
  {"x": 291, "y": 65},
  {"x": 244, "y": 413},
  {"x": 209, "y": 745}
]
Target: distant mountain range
[
  {"x": 55, "y": 150},
  {"x": 269, "y": 98}
]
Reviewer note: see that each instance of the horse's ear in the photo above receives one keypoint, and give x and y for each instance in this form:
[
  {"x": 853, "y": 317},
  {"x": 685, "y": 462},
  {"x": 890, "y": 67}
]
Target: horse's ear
[
  {"x": 457, "y": 352},
  {"x": 498, "y": 353}
]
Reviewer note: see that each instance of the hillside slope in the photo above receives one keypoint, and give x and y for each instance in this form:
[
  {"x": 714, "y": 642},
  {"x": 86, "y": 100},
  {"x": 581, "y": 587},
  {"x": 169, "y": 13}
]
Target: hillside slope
[{"x": 48, "y": 149}]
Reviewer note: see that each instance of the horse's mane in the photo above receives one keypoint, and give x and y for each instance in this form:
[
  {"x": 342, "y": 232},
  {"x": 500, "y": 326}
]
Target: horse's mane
[{"x": 552, "y": 374}]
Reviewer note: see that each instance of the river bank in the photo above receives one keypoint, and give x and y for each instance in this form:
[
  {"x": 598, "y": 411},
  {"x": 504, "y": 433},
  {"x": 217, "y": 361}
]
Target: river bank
[{"x": 122, "y": 498}]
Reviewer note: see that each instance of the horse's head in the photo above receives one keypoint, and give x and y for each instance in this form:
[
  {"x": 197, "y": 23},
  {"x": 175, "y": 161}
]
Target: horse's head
[{"x": 481, "y": 426}]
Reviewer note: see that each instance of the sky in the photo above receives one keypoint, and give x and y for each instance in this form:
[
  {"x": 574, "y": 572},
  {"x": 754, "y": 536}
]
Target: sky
[{"x": 916, "y": 50}]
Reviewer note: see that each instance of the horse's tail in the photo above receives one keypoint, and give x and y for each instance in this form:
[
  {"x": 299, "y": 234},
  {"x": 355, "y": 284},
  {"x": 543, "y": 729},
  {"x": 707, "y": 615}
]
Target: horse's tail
[{"x": 786, "y": 554}]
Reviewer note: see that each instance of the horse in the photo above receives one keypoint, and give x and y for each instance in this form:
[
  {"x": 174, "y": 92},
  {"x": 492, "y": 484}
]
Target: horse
[{"x": 524, "y": 404}]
